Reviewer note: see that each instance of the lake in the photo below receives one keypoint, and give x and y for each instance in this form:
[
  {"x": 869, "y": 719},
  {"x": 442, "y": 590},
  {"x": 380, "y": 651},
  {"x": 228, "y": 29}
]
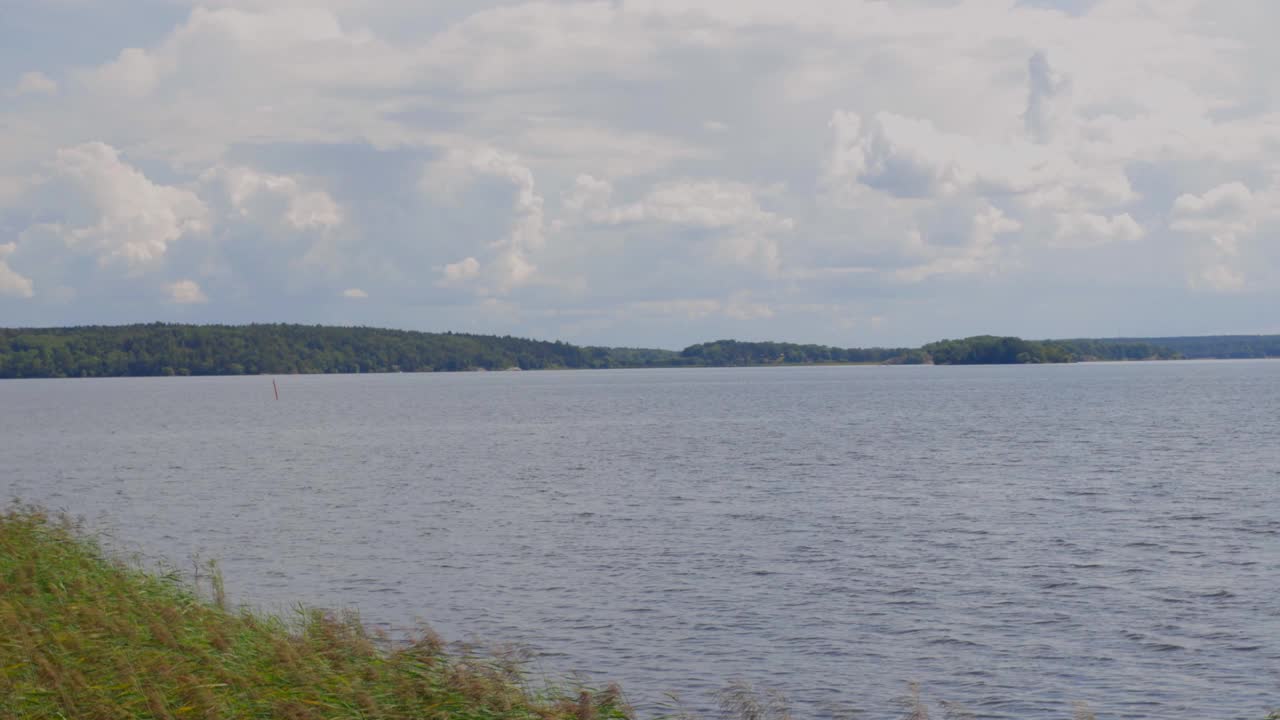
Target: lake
[{"x": 1013, "y": 538}]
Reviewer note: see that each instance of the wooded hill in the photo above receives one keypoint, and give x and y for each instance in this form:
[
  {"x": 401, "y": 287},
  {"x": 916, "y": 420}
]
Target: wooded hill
[{"x": 168, "y": 349}]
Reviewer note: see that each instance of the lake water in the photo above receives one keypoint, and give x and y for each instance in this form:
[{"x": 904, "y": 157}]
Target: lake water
[{"x": 1013, "y": 538}]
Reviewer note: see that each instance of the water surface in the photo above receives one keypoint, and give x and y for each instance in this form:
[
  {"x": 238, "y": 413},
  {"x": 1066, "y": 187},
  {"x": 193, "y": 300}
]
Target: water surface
[{"x": 1014, "y": 538}]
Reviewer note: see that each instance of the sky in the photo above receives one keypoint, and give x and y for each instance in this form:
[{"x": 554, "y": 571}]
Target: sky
[{"x": 645, "y": 172}]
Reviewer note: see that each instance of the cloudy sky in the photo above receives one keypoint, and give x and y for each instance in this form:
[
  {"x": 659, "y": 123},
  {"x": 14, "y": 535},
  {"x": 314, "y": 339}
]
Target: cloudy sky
[{"x": 645, "y": 172}]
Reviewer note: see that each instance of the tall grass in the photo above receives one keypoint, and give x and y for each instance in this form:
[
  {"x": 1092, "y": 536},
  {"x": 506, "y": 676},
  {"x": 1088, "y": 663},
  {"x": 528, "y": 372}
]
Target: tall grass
[{"x": 85, "y": 637}]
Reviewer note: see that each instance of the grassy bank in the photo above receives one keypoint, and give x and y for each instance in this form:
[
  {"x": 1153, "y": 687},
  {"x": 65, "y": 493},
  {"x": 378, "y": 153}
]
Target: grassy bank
[{"x": 85, "y": 637}]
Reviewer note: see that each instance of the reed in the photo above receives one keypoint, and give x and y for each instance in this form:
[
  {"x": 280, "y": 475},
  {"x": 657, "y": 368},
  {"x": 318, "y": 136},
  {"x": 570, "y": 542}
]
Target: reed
[{"x": 87, "y": 637}]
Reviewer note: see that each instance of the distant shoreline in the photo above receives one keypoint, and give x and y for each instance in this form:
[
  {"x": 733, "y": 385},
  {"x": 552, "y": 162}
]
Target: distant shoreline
[
  {"x": 655, "y": 367},
  {"x": 161, "y": 349}
]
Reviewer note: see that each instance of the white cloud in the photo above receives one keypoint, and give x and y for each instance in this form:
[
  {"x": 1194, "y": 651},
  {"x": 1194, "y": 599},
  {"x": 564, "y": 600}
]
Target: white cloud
[
  {"x": 746, "y": 233},
  {"x": 132, "y": 75},
  {"x": 1225, "y": 221},
  {"x": 303, "y": 209},
  {"x": 901, "y": 156},
  {"x": 911, "y": 158},
  {"x": 590, "y": 196},
  {"x": 980, "y": 253},
  {"x": 1225, "y": 209},
  {"x": 11, "y": 283},
  {"x": 137, "y": 219},
  {"x": 1082, "y": 230},
  {"x": 36, "y": 83},
  {"x": 702, "y": 203},
  {"x": 355, "y": 294},
  {"x": 511, "y": 265},
  {"x": 186, "y": 292},
  {"x": 460, "y": 271}
]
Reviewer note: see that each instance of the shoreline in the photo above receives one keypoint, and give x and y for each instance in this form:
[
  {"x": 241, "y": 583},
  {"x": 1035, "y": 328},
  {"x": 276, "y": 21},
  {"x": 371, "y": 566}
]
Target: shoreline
[{"x": 482, "y": 371}]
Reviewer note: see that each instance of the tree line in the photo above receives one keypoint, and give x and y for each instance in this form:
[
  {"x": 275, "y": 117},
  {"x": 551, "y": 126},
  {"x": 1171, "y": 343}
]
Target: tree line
[
  {"x": 992, "y": 350},
  {"x": 1216, "y": 346},
  {"x": 173, "y": 349},
  {"x": 164, "y": 349}
]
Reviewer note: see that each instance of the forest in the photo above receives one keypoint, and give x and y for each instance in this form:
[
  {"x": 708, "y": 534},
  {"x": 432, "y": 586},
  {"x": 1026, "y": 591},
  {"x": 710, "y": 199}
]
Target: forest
[
  {"x": 1212, "y": 346},
  {"x": 164, "y": 349},
  {"x": 736, "y": 352},
  {"x": 991, "y": 350},
  {"x": 173, "y": 349}
]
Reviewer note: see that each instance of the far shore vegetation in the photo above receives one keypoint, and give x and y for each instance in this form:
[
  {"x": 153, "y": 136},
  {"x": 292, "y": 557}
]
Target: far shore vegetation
[
  {"x": 160, "y": 349},
  {"x": 87, "y": 636}
]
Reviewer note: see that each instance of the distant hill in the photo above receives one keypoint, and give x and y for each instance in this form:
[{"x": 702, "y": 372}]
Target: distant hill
[{"x": 173, "y": 349}]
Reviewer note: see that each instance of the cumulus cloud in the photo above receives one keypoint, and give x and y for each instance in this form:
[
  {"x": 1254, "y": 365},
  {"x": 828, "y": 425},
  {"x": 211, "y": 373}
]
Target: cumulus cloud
[
  {"x": 901, "y": 156},
  {"x": 137, "y": 218},
  {"x": 511, "y": 265},
  {"x": 1224, "y": 210},
  {"x": 979, "y": 252},
  {"x": 133, "y": 74},
  {"x": 702, "y": 203},
  {"x": 11, "y": 283},
  {"x": 186, "y": 292},
  {"x": 1082, "y": 230},
  {"x": 302, "y": 209},
  {"x": 1224, "y": 220},
  {"x": 464, "y": 269},
  {"x": 745, "y": 233},
  {"x": 589, "y": 196},
  {"x": 36, "y": 83},
  {"x": 911, "y": 158}
]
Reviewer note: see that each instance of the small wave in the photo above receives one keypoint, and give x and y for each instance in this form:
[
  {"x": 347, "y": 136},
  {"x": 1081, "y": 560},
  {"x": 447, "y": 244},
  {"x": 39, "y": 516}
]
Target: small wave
[
  {"x": 1057, "y": 585},
  {"x": 953, "y": 641}
]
